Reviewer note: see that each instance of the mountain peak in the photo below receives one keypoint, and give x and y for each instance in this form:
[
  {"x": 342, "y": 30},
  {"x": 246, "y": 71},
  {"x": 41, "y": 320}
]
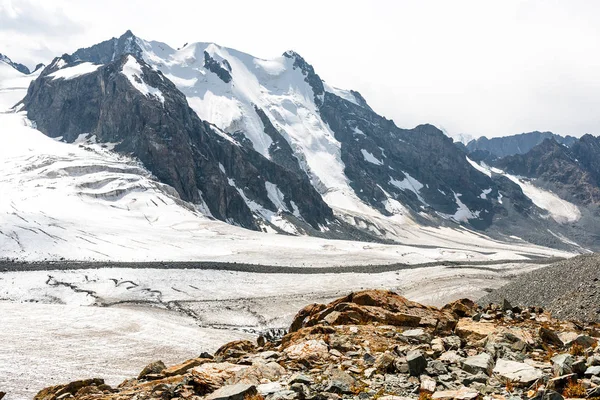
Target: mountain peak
[{"x": 19, "y": 67}]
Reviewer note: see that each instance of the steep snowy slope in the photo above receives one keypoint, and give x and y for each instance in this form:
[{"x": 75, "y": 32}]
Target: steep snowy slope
[{"x": 81, "y": 201}]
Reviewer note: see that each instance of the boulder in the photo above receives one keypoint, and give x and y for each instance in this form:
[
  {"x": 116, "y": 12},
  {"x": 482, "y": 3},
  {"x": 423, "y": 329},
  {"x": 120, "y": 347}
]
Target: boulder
[
  {"x": 340, "y": 382},
  {"x": 238, "y": 391},
  {"x": 310, "y": 350},
  {"x": 517, "y": 372},
  {"x": 235, "y": 349},
  {"x": 211, "y": 376},
  {"x": 2, "y": 394},
  {"x": 482, "y": 362},
  {"x": 594, "y": 370},
  {"x": 428, "y": 384},
  {"x": 416, "y": 362},
  {"x": 550, "y": 337},
  {"x": 155, "y": 367},
  {"x": 54, "y": 392},
  {"x": 562, "y": 364},
  {"x": 472, "y": 330},
  {"x": 385, "y": 362},
  {"x": 184, "y": 366},
  {"x": 370, "y": 306},
  {"x": 460, "y": 394},
  {"x": 461, "y": 308}
]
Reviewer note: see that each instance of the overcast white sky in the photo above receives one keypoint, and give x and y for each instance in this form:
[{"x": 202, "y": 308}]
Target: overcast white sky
[{"x": 475, "y": 67}]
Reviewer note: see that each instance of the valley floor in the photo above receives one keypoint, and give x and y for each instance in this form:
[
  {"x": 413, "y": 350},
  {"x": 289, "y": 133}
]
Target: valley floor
[{"x": 55, "y": 321}]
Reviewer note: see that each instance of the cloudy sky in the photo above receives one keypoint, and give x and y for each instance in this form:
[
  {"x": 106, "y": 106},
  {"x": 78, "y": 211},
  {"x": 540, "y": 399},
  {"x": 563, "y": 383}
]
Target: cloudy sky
[{"x": 473, "y": 67}]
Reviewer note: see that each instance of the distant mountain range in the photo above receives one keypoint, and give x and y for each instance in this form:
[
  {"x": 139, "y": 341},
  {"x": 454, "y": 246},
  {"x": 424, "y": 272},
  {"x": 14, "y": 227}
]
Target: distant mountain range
[
  {"x": 269, "y": 146},
  {"x": 500, "y": 147}
]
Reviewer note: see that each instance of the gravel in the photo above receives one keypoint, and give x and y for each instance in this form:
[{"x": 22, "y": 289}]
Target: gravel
[{"x": 569, "y": 289}]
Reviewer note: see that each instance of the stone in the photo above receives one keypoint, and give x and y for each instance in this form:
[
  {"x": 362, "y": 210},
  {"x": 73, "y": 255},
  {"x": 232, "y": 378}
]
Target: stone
[
  {"x": 451, "y": 357},
  {"x": 340, "y": 382},
  {"x": 235, "y": 349},
  {"x": 482, "y": 362},
  {"x": 269, "y": 388},
  {"x": 436, "y": 367},
  {"x": 549, "y": 336},
  {"x": 547, "y": 395},
  {"x": 516, "y": 372},
  {"x": 418, "y": 335},
  {"x": 416, "y": 362},
  {"x": 460, "y": 394},
  {"x": 471, "y": 330},
  {"x": 428, "y": 384},
  {"x": 594, "y": 370},
  {"x": 506, "y": 306},
  {"x": 562, "y": 364},
  {"x": 301, "y": 378},
  {"x": 259, "y": 372},
  {"x": 385, "y": 362},
  {"x": 452, "y": 342},
  {"x": 233, "y": 392},
  {"x": 310, "y": 350},
  {"x": 155, "y": 367},
  {"x": 300, "y": 388},
  {"x": 579, "y": 367},
  {"x": 437, "y": 346},
  {"x": 210, "y": 376},
  {"x": 184, "y": 367}
]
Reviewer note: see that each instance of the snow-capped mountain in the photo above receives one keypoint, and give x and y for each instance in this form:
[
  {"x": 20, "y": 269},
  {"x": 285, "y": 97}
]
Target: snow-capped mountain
[{"x": 269, "y": 145}]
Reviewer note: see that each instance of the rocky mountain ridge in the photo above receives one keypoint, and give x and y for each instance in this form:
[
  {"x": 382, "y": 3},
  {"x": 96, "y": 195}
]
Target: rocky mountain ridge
[
  {"x": 283, "y": 151},
  {"x": 489, "y": 149},
  {"x": 133, "y": 106},
  {"x": 377, "y": 344}
]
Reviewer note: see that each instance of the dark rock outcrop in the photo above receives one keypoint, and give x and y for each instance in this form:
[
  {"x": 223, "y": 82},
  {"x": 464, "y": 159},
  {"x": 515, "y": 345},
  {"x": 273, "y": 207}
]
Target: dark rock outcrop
[
  {"x": 19, "y": 67},
  {"x": 214, "y": 66}
]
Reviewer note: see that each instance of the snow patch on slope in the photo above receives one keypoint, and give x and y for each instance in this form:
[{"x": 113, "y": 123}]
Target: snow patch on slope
[
  {"x": 370, "y": 157},
  {"x": 133, "y": 71},
  {"x": 558, "y": 209},
  {"x": 409, "y": 183},
  {"x": 75, "y": 71}
]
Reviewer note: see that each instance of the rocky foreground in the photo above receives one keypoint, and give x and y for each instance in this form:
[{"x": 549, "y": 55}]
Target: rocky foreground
[{"x": 377, "y": 344}]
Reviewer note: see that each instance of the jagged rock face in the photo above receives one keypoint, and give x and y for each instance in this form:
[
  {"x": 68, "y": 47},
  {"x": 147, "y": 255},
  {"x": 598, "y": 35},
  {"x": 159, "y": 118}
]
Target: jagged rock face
[
  {"x": 149, "y": 118},
  {"x": 19, "y": 67},
  {"x": 109, "y": 51},
  {"x": 420, "y": 167},
  {"x": 515, "y": 144},
  {"x": 572, "y": 172}
]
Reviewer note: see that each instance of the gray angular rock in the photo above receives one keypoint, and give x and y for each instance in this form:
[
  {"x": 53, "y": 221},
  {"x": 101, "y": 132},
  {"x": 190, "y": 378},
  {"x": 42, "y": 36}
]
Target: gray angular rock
[
  {"x": 482, "y": 362},
  {"x": 562, "y": 364},
  {"x": 233, "y": 392}
]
